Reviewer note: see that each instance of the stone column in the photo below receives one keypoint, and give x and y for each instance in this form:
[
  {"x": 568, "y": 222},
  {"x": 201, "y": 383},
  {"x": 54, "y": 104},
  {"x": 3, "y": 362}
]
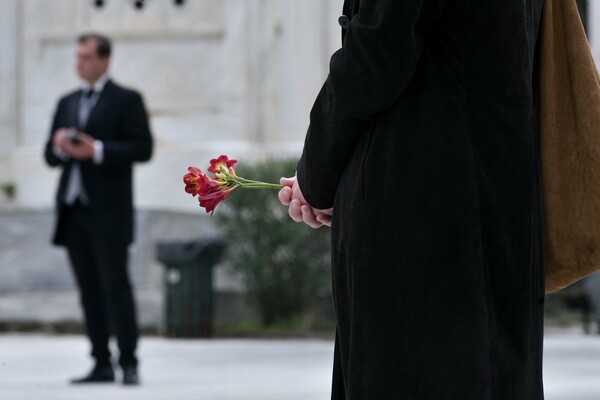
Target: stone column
[
  {"x": 289, "y": 46},
  {"x": 256, "y": 69},
  {"x": 9, "y": 78}
]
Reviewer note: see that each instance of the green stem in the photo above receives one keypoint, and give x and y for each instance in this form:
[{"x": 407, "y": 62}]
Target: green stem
[
  {"x": 244, "y": 180},
  {"x": 261, "y": 186},
  {"x": 247, "y": 183}
]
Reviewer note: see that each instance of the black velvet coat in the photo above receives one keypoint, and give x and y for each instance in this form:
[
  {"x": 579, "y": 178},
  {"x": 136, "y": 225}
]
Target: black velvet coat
[
  {"x": 424, "y": 141},
  {"x": 120, "y": 121}
]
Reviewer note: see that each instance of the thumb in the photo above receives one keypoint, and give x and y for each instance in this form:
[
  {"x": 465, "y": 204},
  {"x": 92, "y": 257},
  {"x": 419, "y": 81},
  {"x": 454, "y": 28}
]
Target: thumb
[{"x": 286, "y": 182}]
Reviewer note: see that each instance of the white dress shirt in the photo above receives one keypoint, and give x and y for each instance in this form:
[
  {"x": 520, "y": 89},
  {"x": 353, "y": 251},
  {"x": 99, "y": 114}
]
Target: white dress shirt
[{"x": 75, "y": 188}]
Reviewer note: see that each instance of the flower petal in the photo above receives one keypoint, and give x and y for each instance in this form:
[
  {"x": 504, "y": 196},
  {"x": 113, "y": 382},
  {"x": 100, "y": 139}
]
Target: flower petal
[
  {"x": 215, "y": 164},
  {"x": 193, "y": 180},
  {"x": 212, "y": 191}
]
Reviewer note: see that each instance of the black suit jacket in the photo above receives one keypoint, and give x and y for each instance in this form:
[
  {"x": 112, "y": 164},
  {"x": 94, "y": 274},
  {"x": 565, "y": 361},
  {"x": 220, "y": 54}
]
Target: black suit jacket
[{"x": 120, "y": 121}]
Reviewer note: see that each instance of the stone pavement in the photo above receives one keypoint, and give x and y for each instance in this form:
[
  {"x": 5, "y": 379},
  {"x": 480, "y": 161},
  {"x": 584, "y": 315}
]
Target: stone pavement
[
  {"x": 36, "y": 367},
  {"x": 571, "y": 366}
]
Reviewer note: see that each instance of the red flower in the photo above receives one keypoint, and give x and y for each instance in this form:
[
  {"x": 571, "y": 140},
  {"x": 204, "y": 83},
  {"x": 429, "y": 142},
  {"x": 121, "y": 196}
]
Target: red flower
[
  {"x": 210, "y": 202},
  {"x": 210, "y": 192},
  {"x": 215, "y": 165},
  {"x": 191, "y": 180}
]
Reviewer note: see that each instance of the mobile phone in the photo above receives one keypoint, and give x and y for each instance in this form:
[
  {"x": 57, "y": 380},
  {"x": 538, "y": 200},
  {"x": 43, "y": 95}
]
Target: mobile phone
[{"x": 72, "y": 136}]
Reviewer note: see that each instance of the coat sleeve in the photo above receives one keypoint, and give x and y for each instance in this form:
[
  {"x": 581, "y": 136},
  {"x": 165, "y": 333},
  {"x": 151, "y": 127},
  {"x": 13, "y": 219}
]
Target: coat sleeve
[
  {"x": 51, "y": 158},
  {"x": 135, "y": 141},
  {"x": 366, "y": 76}
]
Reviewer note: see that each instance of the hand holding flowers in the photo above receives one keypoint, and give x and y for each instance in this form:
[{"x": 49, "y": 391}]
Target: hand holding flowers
[
  {"x": 298, "y": 208},
  {"x": 213, "y": 190}
]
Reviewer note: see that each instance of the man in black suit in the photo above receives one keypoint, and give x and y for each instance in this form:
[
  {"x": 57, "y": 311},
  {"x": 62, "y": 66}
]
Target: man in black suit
[{"x": 98, "y": 132}]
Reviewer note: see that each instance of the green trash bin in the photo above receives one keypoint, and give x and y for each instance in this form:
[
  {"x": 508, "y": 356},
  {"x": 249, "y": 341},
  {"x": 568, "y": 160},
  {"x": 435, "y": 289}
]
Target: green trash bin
[{"x": 188, "y": 285}]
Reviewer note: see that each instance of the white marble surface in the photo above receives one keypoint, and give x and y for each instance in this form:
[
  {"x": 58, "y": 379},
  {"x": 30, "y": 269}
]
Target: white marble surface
[
  {"x": 218, "y": 76},
  {"x": 38, "y": 367},
  {"x": 8, "y": 82}
]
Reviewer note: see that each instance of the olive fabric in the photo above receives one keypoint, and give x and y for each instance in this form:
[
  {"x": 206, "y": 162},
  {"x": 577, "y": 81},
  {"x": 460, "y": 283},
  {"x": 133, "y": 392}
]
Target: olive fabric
[
  {"x": 423, "y": 139},
  {"x": 569, "y": 146}
]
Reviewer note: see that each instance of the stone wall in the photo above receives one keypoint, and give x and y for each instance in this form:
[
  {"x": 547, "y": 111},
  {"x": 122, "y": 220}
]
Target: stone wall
[
  {"x": 234, "y": 77},
  {"x": 218, "y": 76}
]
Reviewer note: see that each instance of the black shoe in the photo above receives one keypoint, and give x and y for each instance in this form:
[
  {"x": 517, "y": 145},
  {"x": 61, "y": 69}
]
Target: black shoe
[
  {"x": 98, "y": 374},
  {"x": 130, "y": 376}
]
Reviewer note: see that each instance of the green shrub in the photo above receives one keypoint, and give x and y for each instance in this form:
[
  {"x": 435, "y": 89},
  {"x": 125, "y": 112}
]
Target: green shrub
[{"x": 286, "y": 265}]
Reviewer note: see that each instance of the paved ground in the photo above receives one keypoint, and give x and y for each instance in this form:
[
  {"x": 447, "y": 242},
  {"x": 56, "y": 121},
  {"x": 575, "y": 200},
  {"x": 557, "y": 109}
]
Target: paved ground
[
  {"x": 572, "y": 367},
  {"x": 36, "y": 367}
]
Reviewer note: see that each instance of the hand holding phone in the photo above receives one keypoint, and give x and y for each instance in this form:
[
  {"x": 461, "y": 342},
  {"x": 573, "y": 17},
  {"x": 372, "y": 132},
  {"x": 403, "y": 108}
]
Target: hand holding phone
[{"x": 72, "y": 136}]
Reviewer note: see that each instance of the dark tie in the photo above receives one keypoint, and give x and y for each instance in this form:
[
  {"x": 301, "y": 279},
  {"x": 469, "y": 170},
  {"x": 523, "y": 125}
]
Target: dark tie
[{"x": 85, "y": 107}]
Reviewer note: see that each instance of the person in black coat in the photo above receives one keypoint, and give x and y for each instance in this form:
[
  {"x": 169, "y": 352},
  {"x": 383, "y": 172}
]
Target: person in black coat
[
  {"x": 422, "y": 155},
  {"x": 98, "y": 132}
]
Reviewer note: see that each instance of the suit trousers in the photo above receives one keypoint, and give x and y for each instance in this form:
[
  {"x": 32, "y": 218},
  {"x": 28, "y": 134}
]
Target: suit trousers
[{"x": 100, "y": 267}]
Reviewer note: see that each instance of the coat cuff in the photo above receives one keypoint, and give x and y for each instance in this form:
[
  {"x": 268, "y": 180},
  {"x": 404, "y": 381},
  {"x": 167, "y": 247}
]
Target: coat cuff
[{"x": 315, "y": 193}]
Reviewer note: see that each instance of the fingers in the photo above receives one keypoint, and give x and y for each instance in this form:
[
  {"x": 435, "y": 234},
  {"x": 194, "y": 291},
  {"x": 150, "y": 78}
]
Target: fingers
[
  {"x": 84, "y": 137},
  {"x": 59, "y": 138},
  {"x": 75, "y": 151},
  {"x": 295, "y": 210},
  {"x": 291, "y": 195},
  {"x": 81, "y": 151},
  {"x": 324, "y": 219},
  {"x": 304, "y": 213},
  {"x": 309, "y": 218},
  {"x": 68, "y": 147},
  {"x": 328, "y": 211},
  {"x": 287, "y": 181},
  {"x": 285, "y": 196}
]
